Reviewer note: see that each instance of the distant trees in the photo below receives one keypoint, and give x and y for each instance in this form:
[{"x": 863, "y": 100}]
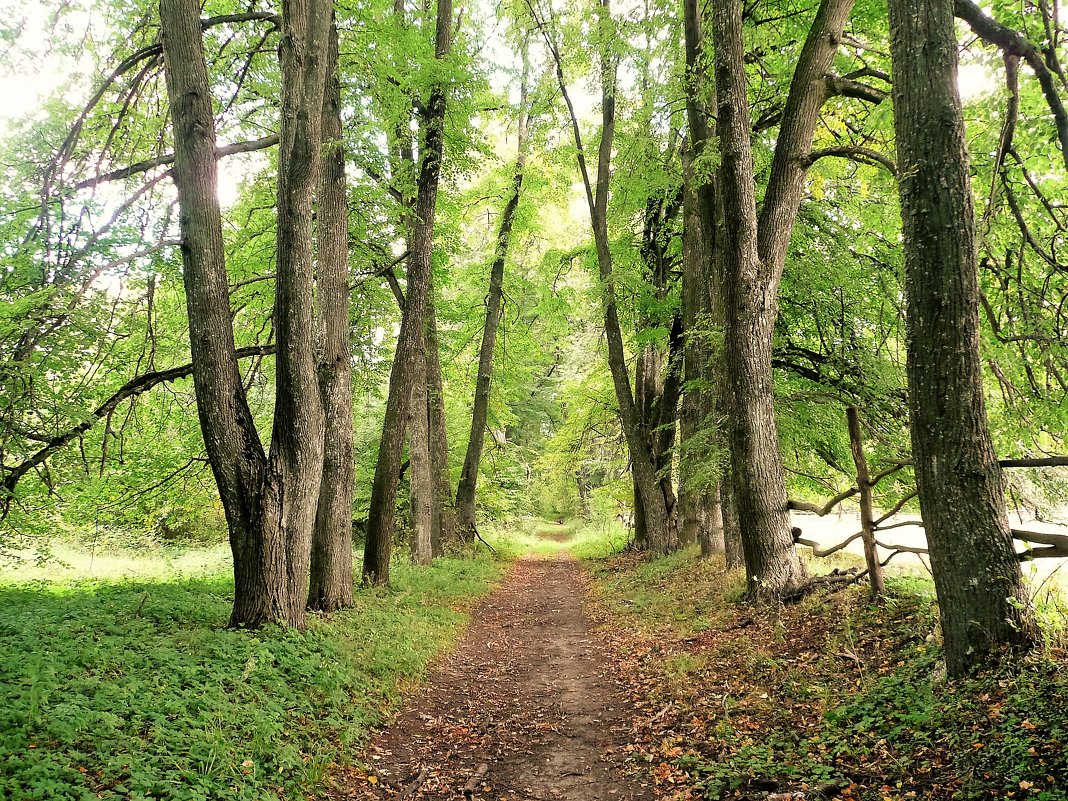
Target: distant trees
[
  {"x": 658, "y": 513},
  {"x": 465, "y": 490}
]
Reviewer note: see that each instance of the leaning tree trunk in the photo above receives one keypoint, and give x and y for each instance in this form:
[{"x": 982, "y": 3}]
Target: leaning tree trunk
[
  {"x": 230, "y": 437},
  {"x": 980, "y": 591},
  {"x": 753, "y": 254},
  {"x": 331, "y": 560},
  {"x": 381, "y": 516},
  {"x": 269, "y": 500},
  {"x": 465, "y": 491},
  {"x": 658, "y": 513}
]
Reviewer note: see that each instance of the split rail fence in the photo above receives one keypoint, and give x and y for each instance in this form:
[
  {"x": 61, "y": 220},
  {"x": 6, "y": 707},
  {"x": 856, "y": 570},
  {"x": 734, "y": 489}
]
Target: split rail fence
[{"x": 872, "y": 527}]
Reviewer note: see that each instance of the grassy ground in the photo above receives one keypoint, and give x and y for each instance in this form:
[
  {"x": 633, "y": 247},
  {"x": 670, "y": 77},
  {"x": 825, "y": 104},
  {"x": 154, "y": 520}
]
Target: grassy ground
[
  {"x": 132, "y": 688},
  {"x": 541, "y": 537},
  {"x": 832, "y": 697}
]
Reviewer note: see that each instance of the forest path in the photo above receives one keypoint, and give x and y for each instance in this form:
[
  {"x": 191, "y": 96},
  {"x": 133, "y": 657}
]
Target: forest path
[{"x": 523, "y": 709}]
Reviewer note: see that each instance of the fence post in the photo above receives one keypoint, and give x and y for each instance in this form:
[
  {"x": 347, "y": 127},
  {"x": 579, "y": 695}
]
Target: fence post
[{"x": 867, "y": 518}]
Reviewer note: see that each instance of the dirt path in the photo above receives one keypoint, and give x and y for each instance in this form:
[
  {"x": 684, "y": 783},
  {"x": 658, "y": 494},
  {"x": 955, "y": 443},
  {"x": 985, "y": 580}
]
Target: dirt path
[{"x": 522, "y": 710}]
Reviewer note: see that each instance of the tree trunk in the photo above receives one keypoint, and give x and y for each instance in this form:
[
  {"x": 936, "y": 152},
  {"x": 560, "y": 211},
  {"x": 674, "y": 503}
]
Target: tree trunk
[
  {"x": 420, "y": 480},
  {"x": 381, "y": 516},
  {"x": 659, "y": 516},
  {"x": 772, "y": 565},
  {"x": 269, "y": 501},
  {"x": 733, "y": 555},
  {"x": 753, "y": 254},
  {"x": 331, "y": 559},
  {"x": 443, "y": 525},
  {"x": 696, "y": 503},
  {"x": 711, "y": 535},
  {"x": 465, "y": 491},
  {"x": 295, "y": 464},
  {"x": 701, "y": 513},
  {"x": 867, "y": 515},
  {"x": 977, "y": 577}
]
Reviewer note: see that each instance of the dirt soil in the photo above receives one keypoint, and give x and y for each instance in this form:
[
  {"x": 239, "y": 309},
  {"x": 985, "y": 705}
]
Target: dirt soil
[{"x": 525, "y": 708}]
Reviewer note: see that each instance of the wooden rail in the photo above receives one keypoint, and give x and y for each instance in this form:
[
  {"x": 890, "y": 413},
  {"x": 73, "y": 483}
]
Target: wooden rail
[{"x": 1054, "y": 545}]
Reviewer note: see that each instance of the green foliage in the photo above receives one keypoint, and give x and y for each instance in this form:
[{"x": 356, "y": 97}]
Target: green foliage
[{"x": 134, "y": 690}]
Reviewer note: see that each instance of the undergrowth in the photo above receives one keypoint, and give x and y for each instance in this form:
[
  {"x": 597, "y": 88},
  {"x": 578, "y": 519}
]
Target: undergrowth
[
  {"x": 135, "y": 690},
  {"x": 833, "y": 697}
]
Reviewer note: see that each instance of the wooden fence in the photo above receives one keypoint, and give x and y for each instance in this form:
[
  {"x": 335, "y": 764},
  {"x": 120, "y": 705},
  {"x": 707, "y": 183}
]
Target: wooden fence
[{"x": 871, "y": 527}]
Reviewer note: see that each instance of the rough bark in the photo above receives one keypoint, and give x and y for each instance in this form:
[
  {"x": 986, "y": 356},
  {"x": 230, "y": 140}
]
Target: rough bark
[
  {"x": 733, "y": 554},
  {"x": 753, "y": 254},
  {"x": 295, "y": 463},
  {"x": 412, "y": 339},
  {"x": 658, "y": 370},
  {"x": 269, "y": 500},
  {"x": 700, "y": 510},
  {"x": 237, "y": 459},
  {"x": 443, "y": 524},
  {"x": 977, "y": 577},
  {"x": 696, "y": 503},
  {"x": 465, "y": 491},
  {"x": 772, "y": 564},
  {"x": 331, "y": 561},
  {"x": 421, "y": 483}
]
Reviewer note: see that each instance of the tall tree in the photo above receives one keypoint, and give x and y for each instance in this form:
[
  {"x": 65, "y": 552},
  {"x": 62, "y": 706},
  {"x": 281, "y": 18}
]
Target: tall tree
[
  {"x": 465, "y": 491},
  {"x": 270, "y": 498},
  {"x": 660, "y": 522},
  {"x": 753, "y": 256},
  {"x": 331, "y": 563},
  {"x": 412, "y": 340},
  {"x": 977, "y": 577}
]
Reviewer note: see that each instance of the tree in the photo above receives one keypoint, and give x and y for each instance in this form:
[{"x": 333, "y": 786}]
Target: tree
[
  {"x": 380, "y": 521},
  {"x": 700, "y": 509},
  {"x": 981, "y": 596},
  {"x": 753, "y": 256},
  {"x": 465, "y": 491},
  {"x": 331, "y": 562},
  {"x": 270, "y": 498}
]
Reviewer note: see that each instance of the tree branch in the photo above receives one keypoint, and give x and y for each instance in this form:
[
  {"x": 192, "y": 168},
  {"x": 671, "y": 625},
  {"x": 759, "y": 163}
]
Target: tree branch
[
  {"x": 132, "y": 388},
  {"x": 161, "y": 161},
  {"x": 864, "y": 155},
  {"x": 1012, "y": 43}
]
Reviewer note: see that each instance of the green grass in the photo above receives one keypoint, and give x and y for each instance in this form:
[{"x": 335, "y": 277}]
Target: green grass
[
  {"x": 543, "y": 538},
  {"x": 134, "y": 689},
  {"x": 680, "y": 590}
]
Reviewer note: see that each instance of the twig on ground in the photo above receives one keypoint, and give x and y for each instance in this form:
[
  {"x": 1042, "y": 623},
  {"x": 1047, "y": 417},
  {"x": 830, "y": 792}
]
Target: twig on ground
[
  {"x": 415, "y": 785},
  {"x": 472, "y": 783}
]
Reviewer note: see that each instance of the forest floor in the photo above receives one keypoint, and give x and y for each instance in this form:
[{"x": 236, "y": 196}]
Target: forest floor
[
  {"x": 525, "y": 708},
  {"x": 622, "y": 678}
]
